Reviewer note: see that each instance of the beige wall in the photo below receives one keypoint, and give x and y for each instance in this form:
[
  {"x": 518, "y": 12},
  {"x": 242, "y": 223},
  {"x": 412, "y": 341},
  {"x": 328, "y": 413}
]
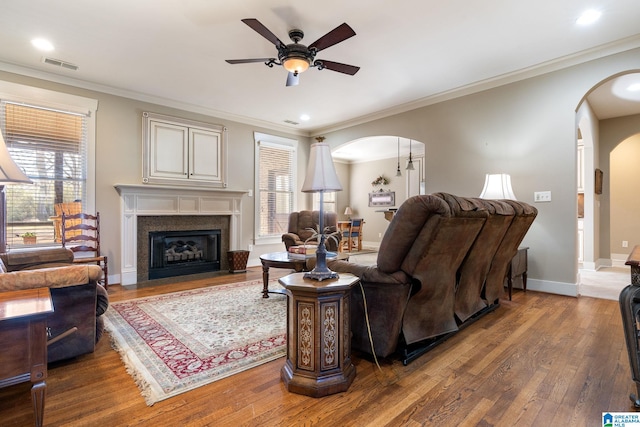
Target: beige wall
[
  {"x": 119, "y": 158},
  {"x": 619, "y": 155},
  {"x": 525, "y": 128}
]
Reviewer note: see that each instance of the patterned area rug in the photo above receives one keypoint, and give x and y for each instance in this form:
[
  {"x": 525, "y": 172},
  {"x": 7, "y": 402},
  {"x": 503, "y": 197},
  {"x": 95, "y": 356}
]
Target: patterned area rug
[{"x": 176, "y": 342}]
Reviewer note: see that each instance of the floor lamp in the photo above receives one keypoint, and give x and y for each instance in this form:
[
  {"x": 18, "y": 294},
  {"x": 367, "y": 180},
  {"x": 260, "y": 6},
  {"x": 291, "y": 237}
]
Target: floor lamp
[
  {"x": 10, "y": 173},
  {"x": 321, "y": 176}
]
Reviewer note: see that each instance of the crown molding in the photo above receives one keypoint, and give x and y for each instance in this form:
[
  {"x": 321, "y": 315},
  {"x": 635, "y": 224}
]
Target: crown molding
[
  {"x": 557, "y": 64},
  {"x": 138, "y": 96}
]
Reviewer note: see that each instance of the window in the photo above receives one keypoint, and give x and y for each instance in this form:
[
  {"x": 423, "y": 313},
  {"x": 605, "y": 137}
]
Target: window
[
  {"x": 276, "y": 184},
  {"x": 52, "y": 145},
  {"x": 329, "y": 202}
]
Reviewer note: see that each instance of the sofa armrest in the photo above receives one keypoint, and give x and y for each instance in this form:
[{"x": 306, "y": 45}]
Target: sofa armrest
[
  {"x": 57, "y": 277},
  {"x": 40, "y": 258}
]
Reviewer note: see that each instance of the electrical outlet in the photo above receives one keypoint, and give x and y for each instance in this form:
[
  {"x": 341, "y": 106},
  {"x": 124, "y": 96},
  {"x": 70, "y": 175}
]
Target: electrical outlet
[
  {"x": 625, "y": 244},
  {"x": 250, "y": 248},
  {"x": 542, "y": 196},
  {"x": 379, "y": 234}
]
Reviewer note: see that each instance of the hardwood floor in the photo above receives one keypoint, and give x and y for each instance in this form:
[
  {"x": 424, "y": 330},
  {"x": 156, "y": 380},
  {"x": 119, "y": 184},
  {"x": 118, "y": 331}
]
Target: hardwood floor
[{"x": 539, "y": 360}]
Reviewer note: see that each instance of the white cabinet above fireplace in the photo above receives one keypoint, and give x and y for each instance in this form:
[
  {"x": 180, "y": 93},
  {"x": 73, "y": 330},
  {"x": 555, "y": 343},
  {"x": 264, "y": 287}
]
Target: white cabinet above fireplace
[{"x": 183, "y": 152}]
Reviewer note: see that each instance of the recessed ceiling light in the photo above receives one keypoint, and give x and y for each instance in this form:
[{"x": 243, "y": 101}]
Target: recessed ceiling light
[
  {"x": 635, "y": 87},
  {"x": 304, "y": 117},
  {"x": 589, "y": 17},
  {"x": 42, "y": 44}
]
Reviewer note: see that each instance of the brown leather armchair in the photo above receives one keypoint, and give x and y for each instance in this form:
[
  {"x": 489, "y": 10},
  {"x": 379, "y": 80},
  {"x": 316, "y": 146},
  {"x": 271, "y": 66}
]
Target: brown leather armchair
[
  {"x": 434, "y": 260},
  {"x": 78, "y": 300},
  {"x": 302, "y": 225}
]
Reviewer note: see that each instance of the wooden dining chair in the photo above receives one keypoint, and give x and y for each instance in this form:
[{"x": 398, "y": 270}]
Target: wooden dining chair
[
  {"x": 81, "y": 234},
  {"x": 353, "y": 236}
]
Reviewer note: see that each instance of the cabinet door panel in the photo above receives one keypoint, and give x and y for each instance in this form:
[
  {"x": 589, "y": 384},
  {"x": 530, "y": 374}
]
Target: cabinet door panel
[
  {"x": 205, "y": 155},
  {"x": 169, "y": 150}
]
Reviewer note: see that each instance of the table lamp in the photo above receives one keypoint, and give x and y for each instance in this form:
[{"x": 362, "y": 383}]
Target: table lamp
[
  {"x": 348, "y": 212},
  {"x": 321, "y": 176},
  {"x": 10, "y": 173},
  {"x": 497, "y": 186}
]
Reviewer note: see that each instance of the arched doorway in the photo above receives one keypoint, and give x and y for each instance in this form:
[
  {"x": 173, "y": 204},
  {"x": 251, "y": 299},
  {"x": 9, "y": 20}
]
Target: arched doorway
[
  {"x": 605, "y": 118},
  {"x": 362, "y": 161}
]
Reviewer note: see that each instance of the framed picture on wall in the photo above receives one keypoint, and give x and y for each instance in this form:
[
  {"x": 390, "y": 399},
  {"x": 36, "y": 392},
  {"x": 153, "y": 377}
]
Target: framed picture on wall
[
  {"x": 382, "y": 198},
  {"x": 598, "y": 183}
]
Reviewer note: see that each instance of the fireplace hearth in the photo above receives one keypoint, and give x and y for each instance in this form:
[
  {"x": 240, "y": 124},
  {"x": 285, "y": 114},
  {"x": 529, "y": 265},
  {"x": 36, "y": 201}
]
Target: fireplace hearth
[{"x": 177, "y": 253}]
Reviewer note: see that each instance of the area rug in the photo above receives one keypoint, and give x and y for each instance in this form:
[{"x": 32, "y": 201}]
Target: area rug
[{"x": 177, "y": 342}]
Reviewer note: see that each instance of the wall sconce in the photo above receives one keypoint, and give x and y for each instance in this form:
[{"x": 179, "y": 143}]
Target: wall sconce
[{"x": 497, "y": 186}]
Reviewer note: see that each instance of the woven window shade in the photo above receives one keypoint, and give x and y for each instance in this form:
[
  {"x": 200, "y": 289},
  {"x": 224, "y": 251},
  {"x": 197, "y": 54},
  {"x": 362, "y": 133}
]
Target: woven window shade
[
  {"x": 51, "y": 148},
  {"x": 276, "y": 188}
]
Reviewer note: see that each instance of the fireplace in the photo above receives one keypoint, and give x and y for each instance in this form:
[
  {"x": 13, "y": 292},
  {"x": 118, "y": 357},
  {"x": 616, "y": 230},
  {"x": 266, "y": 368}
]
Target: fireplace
[
  {"x": 178, "y": 225},
  {"x": 144, "y": 205},
  {"x": 175, "y": 253}
]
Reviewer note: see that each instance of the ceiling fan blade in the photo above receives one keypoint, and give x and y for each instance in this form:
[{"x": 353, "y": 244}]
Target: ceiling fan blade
[
  {"x": 247, "y": 61},
  {"x": 263, "y": 31},
  {"x": 338, "y": 34},
  {"x": 293, "y": 79},
  {"x": 341, "y": 68}
]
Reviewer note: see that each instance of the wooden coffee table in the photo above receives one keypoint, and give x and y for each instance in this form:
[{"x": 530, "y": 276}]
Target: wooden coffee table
[{"x": 282, "y": 260}]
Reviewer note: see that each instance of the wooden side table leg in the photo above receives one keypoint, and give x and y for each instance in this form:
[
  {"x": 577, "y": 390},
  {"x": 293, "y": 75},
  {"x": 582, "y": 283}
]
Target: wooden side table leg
[
  {"x": 524, "y": 281},
  {"x": 265, "y": 280},
  {"x": 37, "y": 396}
]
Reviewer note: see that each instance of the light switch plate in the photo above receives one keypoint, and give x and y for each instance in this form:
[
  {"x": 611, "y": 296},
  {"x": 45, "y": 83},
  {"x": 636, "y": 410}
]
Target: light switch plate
[{"x": 542, "y": 196}]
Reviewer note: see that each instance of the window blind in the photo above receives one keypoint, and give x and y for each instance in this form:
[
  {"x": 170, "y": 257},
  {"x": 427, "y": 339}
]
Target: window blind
[
  {"x": 51, "y": 147},
  {"x": 276, "y": 182}
]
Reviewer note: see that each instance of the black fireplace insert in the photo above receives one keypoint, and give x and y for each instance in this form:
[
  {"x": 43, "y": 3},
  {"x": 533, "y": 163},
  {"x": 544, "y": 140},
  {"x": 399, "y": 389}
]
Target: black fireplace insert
[{"x": 177, "y": 253}]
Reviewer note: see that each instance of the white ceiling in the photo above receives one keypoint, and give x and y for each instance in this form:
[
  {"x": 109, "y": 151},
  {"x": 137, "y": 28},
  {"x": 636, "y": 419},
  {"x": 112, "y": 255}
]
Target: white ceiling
[{"x": 411, "y": 52}]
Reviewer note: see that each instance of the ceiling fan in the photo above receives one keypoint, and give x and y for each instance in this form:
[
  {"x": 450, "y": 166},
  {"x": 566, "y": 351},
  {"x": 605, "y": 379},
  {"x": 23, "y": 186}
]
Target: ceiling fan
[{"x": 297, "y": 58}]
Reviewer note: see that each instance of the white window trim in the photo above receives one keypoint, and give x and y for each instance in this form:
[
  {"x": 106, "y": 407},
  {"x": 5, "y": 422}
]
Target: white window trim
[
  {"x": 63, "y": 102},
  {"x": 276, "y": 142}
]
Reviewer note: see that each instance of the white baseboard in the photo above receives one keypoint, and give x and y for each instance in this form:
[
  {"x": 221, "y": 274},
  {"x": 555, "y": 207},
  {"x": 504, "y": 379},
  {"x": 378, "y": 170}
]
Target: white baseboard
[
  {"x": 618, "y": 260},
  {"x": 560, "y": 288}
]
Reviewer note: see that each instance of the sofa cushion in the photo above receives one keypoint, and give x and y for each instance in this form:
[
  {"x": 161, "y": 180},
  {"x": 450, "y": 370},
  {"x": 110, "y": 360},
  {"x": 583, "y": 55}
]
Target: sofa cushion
[{"x": 404, "y": 229}]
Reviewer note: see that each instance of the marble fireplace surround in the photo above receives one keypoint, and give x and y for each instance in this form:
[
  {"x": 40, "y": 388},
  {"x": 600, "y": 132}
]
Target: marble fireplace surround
[{"x": 159, "y": 200}]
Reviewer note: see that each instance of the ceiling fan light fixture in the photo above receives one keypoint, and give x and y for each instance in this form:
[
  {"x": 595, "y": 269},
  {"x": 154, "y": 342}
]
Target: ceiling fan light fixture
[{"x": 295, "y": 64}]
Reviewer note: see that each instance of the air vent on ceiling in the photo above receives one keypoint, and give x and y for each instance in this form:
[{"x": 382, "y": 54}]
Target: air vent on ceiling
[
  {"x": 291, "y": 122},
  {"x": 59, "y": 63}
]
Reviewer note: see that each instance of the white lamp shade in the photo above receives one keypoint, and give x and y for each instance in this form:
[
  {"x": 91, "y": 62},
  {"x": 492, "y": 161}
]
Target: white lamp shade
[
  {"x": 321, "y": 173},
  {"x": 9, "y": 170},
  {"x": 497, "y": 186},
  {"x": 348, "y": 211}
]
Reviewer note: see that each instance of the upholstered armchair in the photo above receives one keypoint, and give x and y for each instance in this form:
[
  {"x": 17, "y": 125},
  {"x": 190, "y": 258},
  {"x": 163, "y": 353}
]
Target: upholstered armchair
[
  {"x": 302, "y": 225},
  {"x": 78, "y": 300}
]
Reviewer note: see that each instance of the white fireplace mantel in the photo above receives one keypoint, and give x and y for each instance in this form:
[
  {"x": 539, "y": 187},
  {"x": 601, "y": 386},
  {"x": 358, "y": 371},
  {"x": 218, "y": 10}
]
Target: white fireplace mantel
[{"x": 148, "y": 200}]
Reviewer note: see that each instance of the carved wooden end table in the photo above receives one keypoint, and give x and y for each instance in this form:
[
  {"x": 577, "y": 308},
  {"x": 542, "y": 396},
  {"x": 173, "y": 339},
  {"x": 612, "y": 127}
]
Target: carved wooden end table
[
  {"x": 318, "y": 335},
  {"x": 23, "y": 342}
]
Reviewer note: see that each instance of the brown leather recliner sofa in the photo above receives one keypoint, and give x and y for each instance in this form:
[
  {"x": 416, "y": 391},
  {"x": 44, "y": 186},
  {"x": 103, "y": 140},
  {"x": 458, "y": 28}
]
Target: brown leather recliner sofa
[
  {"x": 437, "y": 271},
  {"x": 302, "y": 225},
  {"x": 78, "y": 300}
]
